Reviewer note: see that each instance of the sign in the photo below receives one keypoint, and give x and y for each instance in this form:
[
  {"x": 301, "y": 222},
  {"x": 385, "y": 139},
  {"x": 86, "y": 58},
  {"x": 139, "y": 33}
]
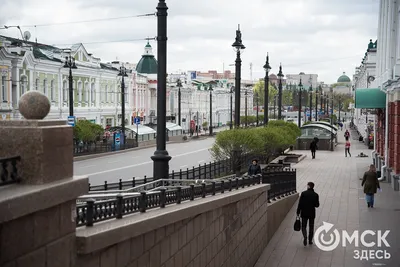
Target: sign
[
  {"x": 117, "y": 140},
  {"x": 71, "y": 121},
  {"x": 136, "y": 120}
]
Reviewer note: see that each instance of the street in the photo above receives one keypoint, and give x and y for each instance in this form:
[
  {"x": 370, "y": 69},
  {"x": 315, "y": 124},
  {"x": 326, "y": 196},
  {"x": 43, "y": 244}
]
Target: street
[{"x": 138, "y": 163}]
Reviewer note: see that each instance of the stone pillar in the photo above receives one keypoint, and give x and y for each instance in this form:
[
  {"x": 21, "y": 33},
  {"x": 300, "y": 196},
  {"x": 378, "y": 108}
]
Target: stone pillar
[{"x": 37, "y": 222}]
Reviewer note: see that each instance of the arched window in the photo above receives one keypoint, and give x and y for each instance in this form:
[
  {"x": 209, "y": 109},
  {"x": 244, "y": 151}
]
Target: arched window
[
  {"x": 86, "y": 99},
  {"x": 80, "y": 91},
  {"x": 4, "y": 88},
  {"x": 52, "y": 91},
  {"x": 24, "y": 83},
  {"x": 92, "y": 93},
  {"x": 65, "y": 91},
  {"x": 37, "y": 85},
  {"x": 45, "y": 87},
  {"x": 106, "y": 93}
]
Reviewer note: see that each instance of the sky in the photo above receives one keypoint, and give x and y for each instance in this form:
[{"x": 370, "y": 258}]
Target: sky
[{"x": 325, "y": 37}]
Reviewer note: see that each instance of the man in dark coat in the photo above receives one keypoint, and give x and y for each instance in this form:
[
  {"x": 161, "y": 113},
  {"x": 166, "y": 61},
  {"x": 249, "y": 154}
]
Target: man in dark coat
[
  {"x": 371, "y": 184},
  {"x": 254, "y": 168},
  {"x": 313, "y": 147},
  {"x": 309, "y": 200}
]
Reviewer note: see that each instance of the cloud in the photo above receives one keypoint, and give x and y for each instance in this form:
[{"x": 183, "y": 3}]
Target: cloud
[{"x": 314, "y": 36}]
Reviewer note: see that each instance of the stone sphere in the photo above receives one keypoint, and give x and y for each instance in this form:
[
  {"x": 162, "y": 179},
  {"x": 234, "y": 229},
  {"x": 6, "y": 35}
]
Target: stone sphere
[{"x": 34, "y": 105}]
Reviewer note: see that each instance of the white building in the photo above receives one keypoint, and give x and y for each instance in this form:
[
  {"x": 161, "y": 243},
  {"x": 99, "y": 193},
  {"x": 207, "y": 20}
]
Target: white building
[{"x": 307, "y": 80}]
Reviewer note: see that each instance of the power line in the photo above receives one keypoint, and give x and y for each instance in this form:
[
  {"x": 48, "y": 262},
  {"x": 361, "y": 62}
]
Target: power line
[{"x": 88, "y": 21}]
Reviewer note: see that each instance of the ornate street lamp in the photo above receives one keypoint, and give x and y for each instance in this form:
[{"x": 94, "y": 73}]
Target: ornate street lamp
[
  {"x": 267, "y": 68},
  {"x": 231, "y": 114},
  {"x": 70, "y": 64},
  {"x": 316, "y": 103},
  {"x": 161, "y": 158},
  {"x": 280, "y": 76},
  {"x": 256, "y": 96},
  {"x": 122, "y": 73},
  {"x": 179, "y": 84},
  {"x": 299, "y": 116},
  {"x": 310, "y": 91},
  {"x": 211, "y": 128},
  {"x": 238, "y": 46},
  {"x": 332, "y": 119}
]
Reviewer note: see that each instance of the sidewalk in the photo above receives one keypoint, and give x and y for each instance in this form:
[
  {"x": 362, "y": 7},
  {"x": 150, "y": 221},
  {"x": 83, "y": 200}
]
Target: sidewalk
[{"x": 342, "y": 203}]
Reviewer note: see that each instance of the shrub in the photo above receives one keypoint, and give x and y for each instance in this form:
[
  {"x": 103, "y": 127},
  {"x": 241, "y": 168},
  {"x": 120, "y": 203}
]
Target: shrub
[{"x": 87, "y": 131}]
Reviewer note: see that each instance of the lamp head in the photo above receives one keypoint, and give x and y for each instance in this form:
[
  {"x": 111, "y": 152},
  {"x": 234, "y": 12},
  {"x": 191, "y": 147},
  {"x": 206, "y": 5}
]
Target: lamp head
[
  {"x": 238, "y": 45},
  {"x": 73, "y": 64},
  {"x": 280, "y": 73},
  {"x": 267, "y": 67}
]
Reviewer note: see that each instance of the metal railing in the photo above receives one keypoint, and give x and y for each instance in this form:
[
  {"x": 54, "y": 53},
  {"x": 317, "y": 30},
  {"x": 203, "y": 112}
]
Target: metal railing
[
  {"x": 127, "y": 203},
  {"x": 9, "y": 170},
  {"x": 282, "y": 181},
  {"x": 209, "y": 170}
]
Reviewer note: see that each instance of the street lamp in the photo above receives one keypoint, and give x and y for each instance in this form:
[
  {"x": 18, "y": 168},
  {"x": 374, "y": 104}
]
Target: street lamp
[
  {"x": 161, "y": 158},
  {"x": 332, "y": 119},
  {"x": 231, "y": 120},
  {"x": 299, "y": 116},
  {"x": 211, "y": 128},
  {"x": 70, "y": 64},
  {"x": 179, "y": 84},
  {"x": 245, "y": 108},
  {"x": 122, "y": 73},
  {"x": 256, "y": 95},
  {"x": 238, "y": 46},
  {"x": 339, "y": 108},
  {"x": 316, "y": 104},
  {"x": 310, "y": 91},
  {"x": 275, "y": 107},
  {"x": 280, "y": 75},
  {"x": 267, "y": 68}
]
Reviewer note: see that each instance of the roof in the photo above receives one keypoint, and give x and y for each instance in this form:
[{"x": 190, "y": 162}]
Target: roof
[
  {"x": 147, "y": 64},
  {"x": 173, "y": 127},
  {"x": 142, "y": 129},
  {"x": 321, "y": 126},
  {"x": 344, "y": 78},
  {"x": 326, "y": 124},
  {"x": 107, "y": 67}
]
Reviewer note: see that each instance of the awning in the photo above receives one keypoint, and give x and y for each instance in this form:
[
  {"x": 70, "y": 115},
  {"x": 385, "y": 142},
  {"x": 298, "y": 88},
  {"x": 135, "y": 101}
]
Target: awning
[
  {"x": 371, "y": 98},
  {"x": 173, "y": 127}
]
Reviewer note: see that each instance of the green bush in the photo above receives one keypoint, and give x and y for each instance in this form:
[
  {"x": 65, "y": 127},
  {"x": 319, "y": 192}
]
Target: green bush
[
  {"x": 87, "y": 131},
  {"x": 266, "y": 141}
]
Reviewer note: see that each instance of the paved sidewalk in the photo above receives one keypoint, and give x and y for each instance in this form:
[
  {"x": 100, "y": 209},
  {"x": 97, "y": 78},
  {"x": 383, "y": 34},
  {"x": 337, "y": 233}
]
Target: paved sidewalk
[{"x": 342, "y": 203}]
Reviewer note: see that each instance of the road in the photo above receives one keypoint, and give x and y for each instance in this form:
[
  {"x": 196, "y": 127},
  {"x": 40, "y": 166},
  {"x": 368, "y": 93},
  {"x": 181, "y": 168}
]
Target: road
[{"x": 138, "y": 163}]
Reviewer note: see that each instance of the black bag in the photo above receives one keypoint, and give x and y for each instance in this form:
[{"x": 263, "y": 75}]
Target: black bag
[{"x": 297, "y": 224}]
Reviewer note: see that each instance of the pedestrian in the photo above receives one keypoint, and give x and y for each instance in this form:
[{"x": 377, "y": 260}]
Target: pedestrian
[
  {"x": 313, "y": 147},
  {"x": 370, "y": 183},
  {"x": 254, "y": 168},
  {"x": 347, "y": 134},
  {"x": 309, "y": 200},
  {"x": 347, "y": 148}
]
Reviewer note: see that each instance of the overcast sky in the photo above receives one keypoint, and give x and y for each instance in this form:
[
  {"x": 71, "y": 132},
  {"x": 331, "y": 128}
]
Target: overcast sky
[{"x": 326, "y": 37}]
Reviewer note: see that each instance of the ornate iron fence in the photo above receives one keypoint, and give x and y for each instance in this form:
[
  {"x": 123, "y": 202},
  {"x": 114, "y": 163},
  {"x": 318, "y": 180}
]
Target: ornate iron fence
[
  {"x": 282, "y": 181},
  {"x": 123, "y": 204},
  {"x": 9, "y": 170},
  {"x": 99, "y": 147},
  {"x": 209, "y": 170}
]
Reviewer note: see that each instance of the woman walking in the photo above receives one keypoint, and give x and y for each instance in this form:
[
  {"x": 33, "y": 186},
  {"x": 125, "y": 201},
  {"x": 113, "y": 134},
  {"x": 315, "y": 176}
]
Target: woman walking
[
  {"x": 347, "y": 148},
  {"x": 371, "y": 184}
]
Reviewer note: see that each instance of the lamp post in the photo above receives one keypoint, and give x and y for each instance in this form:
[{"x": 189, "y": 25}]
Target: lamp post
[
  {"x": 70, "y": 64},
  {"x": 316, "y": 104},
  {"x": 179, "y": 84},
  {"x": 231, "y": 114},
  {"x": 256, "y": 95},
  {"x": 161, "y": 158},
  {"x": 211, "y": 128},
  {"x": 267, "y": 68},
  {"x": 238, "y": 46},
  {"x": 310, "y": 91},
  {"x": 245, "y": 108},
  {"x": 275, "y": 106},
  {"x": 280, "y": 75},
  {"x": 122, "y": 73},
  {"x": 339, "y": 108},
  {"x": 332, "y": 120},
  {"x": 299, "y": 115},
  {"x": 197, "y": 123}
]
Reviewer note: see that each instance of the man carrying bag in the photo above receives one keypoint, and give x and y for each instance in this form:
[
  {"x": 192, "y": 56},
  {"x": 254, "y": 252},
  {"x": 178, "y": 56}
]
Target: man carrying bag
[{"x": 309, "y": 200}]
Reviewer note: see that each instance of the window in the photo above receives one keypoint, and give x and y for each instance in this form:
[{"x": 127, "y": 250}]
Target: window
[
  {"x": 92, "y": 95},
  {"x": 86, "y": 93},
  {"x": 65, "y": 91},
  {"x": 24, "y": 84},
  {"x": 106, "y": 93},
  {"x": 80, "y": 92},
  {"x": 112, "y": 95},
  {"x": 45, "y": 87},
  {"x": 52, "y": 92},
  {"x": 4, "y": 88},
  {"x": 37, "y": 85}
]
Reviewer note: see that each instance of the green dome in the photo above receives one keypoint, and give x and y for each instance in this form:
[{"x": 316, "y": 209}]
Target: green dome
[
  {"x": 344, "y": 79},
  {"x": 147, "y": 64}
]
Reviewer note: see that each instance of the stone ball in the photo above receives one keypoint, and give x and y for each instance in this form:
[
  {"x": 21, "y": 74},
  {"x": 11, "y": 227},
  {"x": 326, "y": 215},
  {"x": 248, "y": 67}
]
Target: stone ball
[{"x": 34, "y": 105}]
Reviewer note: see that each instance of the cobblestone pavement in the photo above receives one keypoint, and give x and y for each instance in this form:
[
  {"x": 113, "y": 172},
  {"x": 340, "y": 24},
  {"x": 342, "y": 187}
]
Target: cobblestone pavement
[{"x": 342, "y": 203}]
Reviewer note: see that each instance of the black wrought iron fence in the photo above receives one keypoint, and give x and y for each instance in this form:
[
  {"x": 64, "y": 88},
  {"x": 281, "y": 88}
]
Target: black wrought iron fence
[
  {"x": 282, "y": 181},
  {"x": 83, "y": 149},
  {"x": 96, "y": 211},
  {"x": 9, "y": 170},
  {"x": 209, "y": 170}
]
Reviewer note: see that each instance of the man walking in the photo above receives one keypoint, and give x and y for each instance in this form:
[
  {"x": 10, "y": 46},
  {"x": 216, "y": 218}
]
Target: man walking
[
  {"x": 313, "y": 147},
  {"x": 309, "y": 200},
  {"x": 370, "y": 183}
]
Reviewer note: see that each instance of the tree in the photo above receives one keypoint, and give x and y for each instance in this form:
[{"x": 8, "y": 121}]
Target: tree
[
  {"x": 87, "y": 131},
  {"x": 287, "y": 98},
  {"x": 259, "y": 89}
]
